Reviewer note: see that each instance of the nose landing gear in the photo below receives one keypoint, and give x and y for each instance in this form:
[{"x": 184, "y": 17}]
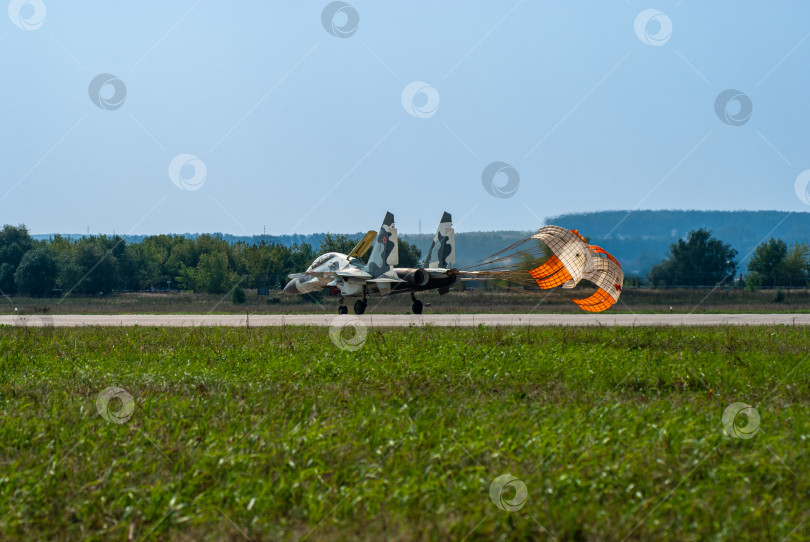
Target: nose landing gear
[{"x": 342, "y": 309}]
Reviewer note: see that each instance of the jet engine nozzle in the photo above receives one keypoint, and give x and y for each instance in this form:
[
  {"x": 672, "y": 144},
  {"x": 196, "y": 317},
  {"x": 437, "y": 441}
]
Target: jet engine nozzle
[{"x": 414, "y": 277}]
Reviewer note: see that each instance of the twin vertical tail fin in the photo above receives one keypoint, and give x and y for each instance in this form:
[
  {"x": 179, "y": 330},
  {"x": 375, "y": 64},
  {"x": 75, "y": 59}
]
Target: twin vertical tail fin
[
  {"x": 384, "y": 254},
  {"x": 362, "y": 248},
  {"x": 442, "y": 253},
  {"x": 385, "y": 248}
]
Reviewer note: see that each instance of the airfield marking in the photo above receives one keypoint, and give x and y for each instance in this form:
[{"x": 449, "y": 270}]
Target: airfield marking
[{"x": 404, "y": 320}]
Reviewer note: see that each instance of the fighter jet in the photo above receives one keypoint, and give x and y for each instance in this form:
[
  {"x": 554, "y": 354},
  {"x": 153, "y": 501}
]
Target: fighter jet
[{"x": 347, "y": 276}]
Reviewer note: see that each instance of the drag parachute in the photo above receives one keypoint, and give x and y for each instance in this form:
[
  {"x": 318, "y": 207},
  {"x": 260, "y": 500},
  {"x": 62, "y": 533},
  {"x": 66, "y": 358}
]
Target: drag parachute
[{"x": 556, "y": 257}]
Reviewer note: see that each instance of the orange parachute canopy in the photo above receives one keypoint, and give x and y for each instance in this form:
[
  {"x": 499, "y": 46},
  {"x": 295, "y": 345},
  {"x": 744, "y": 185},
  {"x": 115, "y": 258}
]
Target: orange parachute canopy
[{"x": 553, "y": 257}]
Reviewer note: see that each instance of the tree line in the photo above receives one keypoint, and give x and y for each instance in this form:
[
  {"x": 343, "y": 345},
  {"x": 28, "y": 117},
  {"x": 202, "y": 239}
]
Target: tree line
[
  {"x": 703, "y": 260},
  {"x": 96, "y": 264}
]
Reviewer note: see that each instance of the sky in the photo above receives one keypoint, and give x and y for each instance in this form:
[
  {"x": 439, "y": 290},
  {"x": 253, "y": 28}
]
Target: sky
[{"x": 310, "y": 116}]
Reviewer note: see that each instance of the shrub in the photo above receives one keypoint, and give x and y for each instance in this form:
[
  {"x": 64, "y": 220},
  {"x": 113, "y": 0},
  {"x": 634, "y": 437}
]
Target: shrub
[
  {"x": 238, "y": 296},
  {"x": 752, "y": 282}
]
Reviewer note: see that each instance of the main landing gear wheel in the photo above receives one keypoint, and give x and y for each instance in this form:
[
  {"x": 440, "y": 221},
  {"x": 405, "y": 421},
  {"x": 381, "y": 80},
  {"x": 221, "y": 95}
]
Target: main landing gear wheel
[
  {"x": 417, "y": 305},
  {"x": 360, "y": 306},
  {"x": 342, "y": 309}
]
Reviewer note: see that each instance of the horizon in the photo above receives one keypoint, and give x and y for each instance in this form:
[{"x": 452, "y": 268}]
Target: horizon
[{"x": 428, "y": 231}]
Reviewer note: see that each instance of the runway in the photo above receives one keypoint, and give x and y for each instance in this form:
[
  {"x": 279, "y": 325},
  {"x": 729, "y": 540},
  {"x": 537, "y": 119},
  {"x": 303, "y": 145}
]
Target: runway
[{"x": 399, "y": 320}]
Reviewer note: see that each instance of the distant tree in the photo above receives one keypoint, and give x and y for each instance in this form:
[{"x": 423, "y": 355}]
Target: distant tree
[
  {"x": 96, "y": 265},
  {"x": 212, "y": 273},
  {"x": 701, "y": 260},
  {"x": 768, "y": 259},
  {"x": 145, "y": 265},
  {"x": 183, "y": 252},
  {"x": 14, "y": 243},
  {"x": 409, "y": 255},
  {"x": 186, "y": 278},
  {"x": 776, "y": 265},
  {"x": 7, "y": 285},
  {"x": 797, "y": 264},
  {"x": 36, "y": 274}
]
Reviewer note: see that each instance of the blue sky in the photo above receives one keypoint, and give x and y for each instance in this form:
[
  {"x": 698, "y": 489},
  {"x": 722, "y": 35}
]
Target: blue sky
[{"x": 302, "y": 131}]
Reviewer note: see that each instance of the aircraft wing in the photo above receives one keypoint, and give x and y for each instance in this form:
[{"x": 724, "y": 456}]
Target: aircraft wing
[
  {"x": 323, "y": 274},
  {"x": 353, "y": 273},
  {"x": 383, "y": 280},
  {"x": 440, "y": 273}
]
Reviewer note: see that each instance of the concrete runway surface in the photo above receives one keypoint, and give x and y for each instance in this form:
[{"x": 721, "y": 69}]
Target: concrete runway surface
[{"x": 399, "y": 320}]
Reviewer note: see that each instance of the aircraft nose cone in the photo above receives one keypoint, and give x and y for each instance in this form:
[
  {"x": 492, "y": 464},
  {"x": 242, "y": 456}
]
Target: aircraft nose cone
[{"x": 291, "y": 288}]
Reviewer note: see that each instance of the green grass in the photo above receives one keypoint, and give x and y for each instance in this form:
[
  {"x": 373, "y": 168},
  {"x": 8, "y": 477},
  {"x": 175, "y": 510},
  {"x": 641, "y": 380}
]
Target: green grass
[{"x": 277, "y": 434}]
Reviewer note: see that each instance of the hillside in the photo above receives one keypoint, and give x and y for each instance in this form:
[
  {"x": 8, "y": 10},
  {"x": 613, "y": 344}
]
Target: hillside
[{"x": 642, "y": 238}]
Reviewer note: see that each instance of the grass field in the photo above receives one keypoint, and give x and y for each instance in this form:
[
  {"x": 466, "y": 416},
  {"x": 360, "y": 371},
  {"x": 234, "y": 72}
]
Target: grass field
[
  {"x": 268, "y": 434},
  {"x": 497, "y": 300}
]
